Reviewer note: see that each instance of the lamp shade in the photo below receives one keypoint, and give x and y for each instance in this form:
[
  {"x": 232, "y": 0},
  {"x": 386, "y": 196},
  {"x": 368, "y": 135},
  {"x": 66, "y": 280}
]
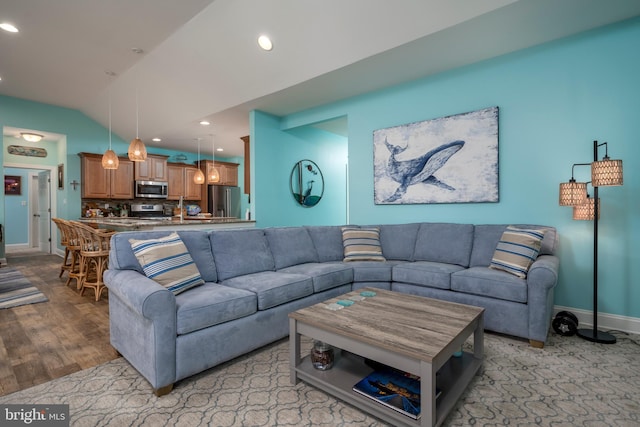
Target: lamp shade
[
  {"x": 606, "y": 172},
  {"x": 110, "y": 160},
  {"x": 573, "y": 193},
  {"x": 137, "y": 151},
  {"x": 214, "y": 175},
  {"x": 586, "y": 211},
  {"x": 198, "y": 178}
]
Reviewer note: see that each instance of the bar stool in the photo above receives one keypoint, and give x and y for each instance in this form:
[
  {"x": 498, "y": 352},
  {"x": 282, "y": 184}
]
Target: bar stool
[
  {"x": 94, "y": 257},
  {"x": 64, "y": 241},
  {"x": 73, "y": 244}
]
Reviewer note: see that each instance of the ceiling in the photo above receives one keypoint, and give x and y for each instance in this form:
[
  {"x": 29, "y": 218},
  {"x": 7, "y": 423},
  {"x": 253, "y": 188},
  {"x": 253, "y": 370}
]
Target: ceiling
[{"x": 200, "y": 58}]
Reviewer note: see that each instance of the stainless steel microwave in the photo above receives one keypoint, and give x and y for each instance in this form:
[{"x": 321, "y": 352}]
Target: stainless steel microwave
[{"x": 151, "y": 189}]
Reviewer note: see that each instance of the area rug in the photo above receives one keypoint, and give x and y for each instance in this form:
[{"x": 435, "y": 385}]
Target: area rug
[
  {"x": 16, "y": 290},
  {"x": 570, "y": 382}
]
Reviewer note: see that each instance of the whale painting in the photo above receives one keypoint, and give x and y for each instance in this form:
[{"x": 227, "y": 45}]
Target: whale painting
[{"x": 451, "y": 159}]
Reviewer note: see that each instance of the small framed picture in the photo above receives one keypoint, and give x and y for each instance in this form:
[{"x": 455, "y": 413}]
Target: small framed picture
[
  {"x": 12, "y": 185},
  {"x": 61, "y": 176}
]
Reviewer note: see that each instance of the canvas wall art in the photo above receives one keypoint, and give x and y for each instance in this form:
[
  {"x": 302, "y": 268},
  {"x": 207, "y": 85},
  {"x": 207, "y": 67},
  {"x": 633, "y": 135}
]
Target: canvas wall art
[{"x": 451, "y": 159}]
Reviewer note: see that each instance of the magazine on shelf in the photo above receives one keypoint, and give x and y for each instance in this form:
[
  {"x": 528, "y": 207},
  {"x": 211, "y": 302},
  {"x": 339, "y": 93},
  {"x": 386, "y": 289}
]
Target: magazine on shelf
[{"x": 393, "y": 388}]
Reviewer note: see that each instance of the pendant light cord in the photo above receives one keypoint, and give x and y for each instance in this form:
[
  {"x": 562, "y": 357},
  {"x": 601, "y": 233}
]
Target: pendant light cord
[
  {"x": 109, "y": 117},
  {"x": 137, "y": 136}
]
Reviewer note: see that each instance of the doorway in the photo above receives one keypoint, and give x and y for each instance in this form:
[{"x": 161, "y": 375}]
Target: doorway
[{"x": 27, "y": 227}]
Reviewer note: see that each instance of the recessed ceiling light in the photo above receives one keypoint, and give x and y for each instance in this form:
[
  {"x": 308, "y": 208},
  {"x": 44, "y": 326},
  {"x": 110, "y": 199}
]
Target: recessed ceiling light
[
  {"x": 8, "y": 27},
  {"x": 205, "y": 123},
  {"x": 156, "y": 139},
  {"x": 219, "y": 149},
  {"x": 265, "y": 42}
]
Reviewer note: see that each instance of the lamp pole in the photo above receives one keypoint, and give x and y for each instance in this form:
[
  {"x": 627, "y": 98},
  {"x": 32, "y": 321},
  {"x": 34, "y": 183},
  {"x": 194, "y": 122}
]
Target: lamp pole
[{"x": 594, "y": 334}]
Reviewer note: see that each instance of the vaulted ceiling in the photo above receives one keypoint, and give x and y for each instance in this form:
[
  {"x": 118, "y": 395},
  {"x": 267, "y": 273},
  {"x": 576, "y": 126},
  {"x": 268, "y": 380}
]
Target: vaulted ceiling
[{"x": 200, "y": 59}]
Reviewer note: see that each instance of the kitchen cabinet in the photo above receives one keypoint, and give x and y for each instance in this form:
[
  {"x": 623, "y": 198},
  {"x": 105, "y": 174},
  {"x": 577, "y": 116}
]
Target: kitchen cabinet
[
  {"x": 180, "y": 182},
  {"x": 152, "y": 169},
  {"x": 100, "y": 183},
  {"x": 228, "y": 172}
]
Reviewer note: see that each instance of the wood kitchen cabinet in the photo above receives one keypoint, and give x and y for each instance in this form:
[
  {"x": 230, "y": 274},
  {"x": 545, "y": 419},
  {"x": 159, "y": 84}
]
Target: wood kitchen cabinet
[
  {"x": 152, "y": 169},
  {"x": 180, "y": 182},
  {"x": 100, "y": 183},
  {"x": 228, "y": 172}
]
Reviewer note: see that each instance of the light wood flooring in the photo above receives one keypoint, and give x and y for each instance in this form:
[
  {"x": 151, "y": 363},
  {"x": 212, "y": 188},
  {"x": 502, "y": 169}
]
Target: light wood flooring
[{"x": 44, "y": 341}]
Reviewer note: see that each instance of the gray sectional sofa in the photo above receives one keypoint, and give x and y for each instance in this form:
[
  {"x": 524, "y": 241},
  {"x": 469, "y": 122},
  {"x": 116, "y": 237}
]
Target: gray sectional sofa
[{"x": 255, "y": 277}]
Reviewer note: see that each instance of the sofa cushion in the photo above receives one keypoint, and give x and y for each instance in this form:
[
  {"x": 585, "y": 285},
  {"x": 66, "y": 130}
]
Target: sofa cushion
[
  {"x": 425, "y": 273},
  {"x": 239, "y": 252},
  {"x": 328, "y": 242},
  {"x": 444, "y": 242},
  {"x": 212, "y": 304},
  {"x": 399, "y": 241},
  {"x": 362, "y": 244},
  {"x": 273, "y": 288},
  {"x": 290, "y": 246},
  {"x": 517, "y": 250},
  {"x": 490, "y": 283},
  {"x": 167, "y": 261},
  {"x": 487, "y": 236},
  {"x": 324, "y": 275},
  {"x": 372, "y": 271},
  {"x": 196, "y": 241}
]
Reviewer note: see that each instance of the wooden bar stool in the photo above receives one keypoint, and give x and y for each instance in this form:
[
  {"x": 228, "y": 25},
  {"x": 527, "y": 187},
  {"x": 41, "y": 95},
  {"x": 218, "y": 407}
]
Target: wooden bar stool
[
  {"x": 94, "y": 257},
  {"x": 64, "y": 241},
  {"x": 73, "y": 244}
]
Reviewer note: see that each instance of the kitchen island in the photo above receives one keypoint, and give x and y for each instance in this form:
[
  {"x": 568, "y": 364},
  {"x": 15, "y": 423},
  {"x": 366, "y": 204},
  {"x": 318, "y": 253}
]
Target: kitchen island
[{"x": 173, "y": 224}]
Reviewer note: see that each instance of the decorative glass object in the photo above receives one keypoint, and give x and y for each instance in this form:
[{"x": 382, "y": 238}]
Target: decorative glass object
[{"x": 321, "y": 355}]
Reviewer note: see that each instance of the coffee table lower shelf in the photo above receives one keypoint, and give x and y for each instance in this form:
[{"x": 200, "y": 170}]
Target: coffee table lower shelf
[{"x": 452, "y": 379}]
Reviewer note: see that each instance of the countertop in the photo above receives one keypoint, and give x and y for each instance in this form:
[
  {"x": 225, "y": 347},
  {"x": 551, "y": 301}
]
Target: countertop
[{"x": 132, "y": 223}]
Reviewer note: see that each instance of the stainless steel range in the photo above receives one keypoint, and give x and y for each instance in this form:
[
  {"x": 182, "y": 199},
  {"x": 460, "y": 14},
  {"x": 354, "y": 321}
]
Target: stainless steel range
[{"x": 149, "y": 211}]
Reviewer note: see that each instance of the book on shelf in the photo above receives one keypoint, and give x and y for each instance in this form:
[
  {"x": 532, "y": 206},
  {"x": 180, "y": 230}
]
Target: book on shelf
[{"x": 393, "y": 388}]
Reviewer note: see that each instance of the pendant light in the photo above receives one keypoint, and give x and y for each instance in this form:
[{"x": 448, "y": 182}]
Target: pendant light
[
  {"x": 109, "y": 158},
  {"x": 198, "y": 178},
  {"x": 137, "y": 151},
  {"x": 214, "y": 175}
]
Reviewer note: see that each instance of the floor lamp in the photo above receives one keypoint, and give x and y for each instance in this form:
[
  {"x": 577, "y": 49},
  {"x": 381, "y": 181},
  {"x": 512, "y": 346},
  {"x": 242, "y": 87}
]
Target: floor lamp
[{"x": 605, "y": 172}]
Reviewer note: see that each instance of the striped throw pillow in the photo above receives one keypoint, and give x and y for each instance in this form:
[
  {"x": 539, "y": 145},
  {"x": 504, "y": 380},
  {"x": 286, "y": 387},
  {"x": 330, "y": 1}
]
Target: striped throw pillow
[
  {"x": 362, "y": 244},
  {"x": 167, "y": 261},
  {"x": 517, "y": 249}
]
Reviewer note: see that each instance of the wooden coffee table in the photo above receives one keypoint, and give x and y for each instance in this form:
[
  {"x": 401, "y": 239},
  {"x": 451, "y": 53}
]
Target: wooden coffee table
[{"x": 415, "y": 334}]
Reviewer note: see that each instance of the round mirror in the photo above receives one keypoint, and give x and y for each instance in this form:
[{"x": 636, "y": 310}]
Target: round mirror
[{"x": 307, "y": 183}]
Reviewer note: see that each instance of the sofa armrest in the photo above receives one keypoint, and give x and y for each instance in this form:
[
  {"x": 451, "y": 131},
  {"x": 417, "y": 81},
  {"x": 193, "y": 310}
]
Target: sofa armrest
[
  {"x": 143, "y": 325},
  {"x": 141, "y": 294},
  {"x": 541, "y": 281},
  {"x": 544, "y": 271}
]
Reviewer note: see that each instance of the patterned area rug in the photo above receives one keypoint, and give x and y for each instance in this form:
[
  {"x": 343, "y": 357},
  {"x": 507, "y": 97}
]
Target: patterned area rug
[
  {"x": 16, "y": 290},
  {"x": 571, "y": 382}
]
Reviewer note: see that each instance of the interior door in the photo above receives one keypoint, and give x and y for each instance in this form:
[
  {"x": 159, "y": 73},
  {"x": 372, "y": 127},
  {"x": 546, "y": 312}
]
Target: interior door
[{"x": 44, "y": 211}]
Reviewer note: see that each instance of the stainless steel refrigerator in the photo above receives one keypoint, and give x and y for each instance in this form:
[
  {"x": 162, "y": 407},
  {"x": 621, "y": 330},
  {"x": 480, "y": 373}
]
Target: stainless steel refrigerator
[{"x": 224, "y": 201}]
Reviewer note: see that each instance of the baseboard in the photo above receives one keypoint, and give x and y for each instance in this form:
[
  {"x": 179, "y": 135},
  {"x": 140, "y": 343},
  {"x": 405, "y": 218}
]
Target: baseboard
[
  {"x": 16, "y": 247},
  {"x": 606, "y": 321}
]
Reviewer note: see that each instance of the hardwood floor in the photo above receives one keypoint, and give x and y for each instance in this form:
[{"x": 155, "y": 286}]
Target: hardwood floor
[{"x": 41, "y": 342}]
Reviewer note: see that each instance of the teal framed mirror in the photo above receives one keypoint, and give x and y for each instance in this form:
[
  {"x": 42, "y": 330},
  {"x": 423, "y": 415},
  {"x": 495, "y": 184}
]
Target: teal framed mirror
[{"x": 307, "y": 183}]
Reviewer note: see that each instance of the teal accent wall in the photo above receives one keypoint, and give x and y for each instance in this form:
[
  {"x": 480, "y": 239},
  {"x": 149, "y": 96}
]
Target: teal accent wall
[
  {"x": 554, "y": 100},
  {"x": 17, "y": 207},
  {"x": 273, "y": 201}
]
